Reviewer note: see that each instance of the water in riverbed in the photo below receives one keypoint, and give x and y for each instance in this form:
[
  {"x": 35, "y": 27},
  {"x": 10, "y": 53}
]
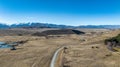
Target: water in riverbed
[{"x": 4, "y": 45}]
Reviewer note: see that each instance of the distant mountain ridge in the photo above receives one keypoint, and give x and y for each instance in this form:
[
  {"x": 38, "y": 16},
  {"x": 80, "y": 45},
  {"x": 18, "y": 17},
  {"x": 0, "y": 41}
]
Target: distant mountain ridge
[
  {"x": 46, "y": 25},
  {"x": 4, "y": 25}
]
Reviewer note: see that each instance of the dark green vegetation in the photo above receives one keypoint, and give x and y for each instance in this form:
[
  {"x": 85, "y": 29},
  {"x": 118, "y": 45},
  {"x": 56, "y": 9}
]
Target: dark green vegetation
[
  {"x": 58, "y": 32},
  {"x": 117, "y": 38},
  {"x": 113, "y": 39},
  {"x": 113, "y": 42}
]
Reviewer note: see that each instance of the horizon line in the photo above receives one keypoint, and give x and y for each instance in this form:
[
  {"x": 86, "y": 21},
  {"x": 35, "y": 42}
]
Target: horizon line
[{"x": 61, "y": 24}]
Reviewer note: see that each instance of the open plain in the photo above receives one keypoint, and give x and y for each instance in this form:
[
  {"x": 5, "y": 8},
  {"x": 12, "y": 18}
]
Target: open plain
[{"x": 86, "y": 50}]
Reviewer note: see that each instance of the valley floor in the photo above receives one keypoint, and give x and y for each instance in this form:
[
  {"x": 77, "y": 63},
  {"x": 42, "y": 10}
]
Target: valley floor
[{"x": 83, "y": 51}]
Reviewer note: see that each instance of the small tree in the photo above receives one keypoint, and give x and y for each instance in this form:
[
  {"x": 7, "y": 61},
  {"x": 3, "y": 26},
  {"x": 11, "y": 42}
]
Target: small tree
[
  {"x": 19, "y": 34},
  {"x": 13, "y": 47}
]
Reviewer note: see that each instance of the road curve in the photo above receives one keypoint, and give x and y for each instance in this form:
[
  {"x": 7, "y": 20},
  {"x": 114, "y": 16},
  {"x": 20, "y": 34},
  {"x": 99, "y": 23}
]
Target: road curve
[{"x": 53, "y": 61}]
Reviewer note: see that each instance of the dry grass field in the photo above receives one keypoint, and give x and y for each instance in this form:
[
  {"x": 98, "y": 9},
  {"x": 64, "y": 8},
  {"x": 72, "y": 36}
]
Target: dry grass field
[
  {"x": 85, "y": 50},
  {"x": 93, "y": 53},
  {"x": 37, "y": 52}
]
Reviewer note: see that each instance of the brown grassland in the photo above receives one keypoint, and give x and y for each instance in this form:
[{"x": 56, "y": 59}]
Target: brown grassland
[{"x": 87, "y": 50}]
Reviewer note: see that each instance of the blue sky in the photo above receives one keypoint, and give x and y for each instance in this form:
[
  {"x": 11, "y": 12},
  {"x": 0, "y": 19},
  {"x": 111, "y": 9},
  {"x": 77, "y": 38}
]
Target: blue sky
[{"x": 69, "y": 12}]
